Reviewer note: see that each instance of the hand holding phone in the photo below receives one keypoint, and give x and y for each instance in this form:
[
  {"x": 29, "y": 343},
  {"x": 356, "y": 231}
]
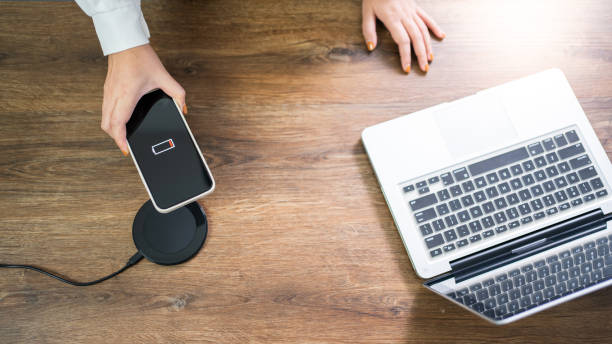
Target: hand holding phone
[{"x": 166, "y": 154}]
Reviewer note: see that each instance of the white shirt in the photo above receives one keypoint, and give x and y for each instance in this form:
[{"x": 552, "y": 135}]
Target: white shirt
[{"x": 119, "y": 24}]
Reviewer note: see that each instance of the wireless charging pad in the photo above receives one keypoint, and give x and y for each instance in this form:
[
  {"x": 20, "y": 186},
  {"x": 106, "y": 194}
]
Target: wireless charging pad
[{"x": 171, "y": 238}]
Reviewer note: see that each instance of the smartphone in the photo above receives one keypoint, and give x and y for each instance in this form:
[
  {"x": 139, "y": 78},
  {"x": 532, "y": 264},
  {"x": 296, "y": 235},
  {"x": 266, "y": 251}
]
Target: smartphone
[{"x": 166, "y": 154}]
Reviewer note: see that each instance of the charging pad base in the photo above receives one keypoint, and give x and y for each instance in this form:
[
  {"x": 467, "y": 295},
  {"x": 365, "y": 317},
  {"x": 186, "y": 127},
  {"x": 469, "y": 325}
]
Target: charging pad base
[{"x": 171, "y": 238}]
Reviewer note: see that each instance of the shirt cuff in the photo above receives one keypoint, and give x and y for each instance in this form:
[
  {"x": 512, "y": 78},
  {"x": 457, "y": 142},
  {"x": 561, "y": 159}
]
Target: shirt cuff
[{"x": 121, "y": 29}]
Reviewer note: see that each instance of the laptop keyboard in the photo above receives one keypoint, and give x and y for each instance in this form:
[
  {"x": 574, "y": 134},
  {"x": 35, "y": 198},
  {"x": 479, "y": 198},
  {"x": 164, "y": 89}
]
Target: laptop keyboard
[
  {"x": 468, "y": 203},
  {"x": 501, "y": 296}
]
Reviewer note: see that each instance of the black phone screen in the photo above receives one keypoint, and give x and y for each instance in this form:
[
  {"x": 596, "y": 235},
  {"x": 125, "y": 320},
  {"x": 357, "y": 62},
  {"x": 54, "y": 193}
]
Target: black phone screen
[{"x": 166, "y": 154}]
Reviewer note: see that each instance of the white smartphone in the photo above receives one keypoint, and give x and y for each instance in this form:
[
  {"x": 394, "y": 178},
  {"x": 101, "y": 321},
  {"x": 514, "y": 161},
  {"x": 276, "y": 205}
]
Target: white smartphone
[{"x": 166, "y": 154}]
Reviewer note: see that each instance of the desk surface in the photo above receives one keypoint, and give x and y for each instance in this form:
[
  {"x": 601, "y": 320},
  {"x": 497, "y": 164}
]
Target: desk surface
[{"x": 302, "y": 247}]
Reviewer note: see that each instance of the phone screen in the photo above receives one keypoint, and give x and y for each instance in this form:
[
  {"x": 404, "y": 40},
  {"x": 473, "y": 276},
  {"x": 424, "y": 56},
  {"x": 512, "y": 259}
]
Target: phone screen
[{"x": 166, "y": 155}]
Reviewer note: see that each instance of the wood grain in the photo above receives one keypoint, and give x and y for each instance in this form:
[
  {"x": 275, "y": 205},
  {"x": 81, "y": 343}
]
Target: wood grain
[{"x": 302, "y": 247}]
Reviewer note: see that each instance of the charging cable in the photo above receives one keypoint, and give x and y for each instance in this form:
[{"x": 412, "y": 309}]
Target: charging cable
[{"x": 131, "y": 262}]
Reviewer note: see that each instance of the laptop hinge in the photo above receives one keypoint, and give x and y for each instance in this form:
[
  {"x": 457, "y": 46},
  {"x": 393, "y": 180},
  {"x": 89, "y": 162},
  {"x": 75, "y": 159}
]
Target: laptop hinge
[{"x": 526, "y": 245}]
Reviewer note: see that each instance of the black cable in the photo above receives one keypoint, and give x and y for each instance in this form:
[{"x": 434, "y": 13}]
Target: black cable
[{"x": 131, "y": 262}]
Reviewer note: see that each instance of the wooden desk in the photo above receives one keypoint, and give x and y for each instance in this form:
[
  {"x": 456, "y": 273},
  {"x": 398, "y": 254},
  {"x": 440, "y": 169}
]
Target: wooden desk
[{"x": 302, "y": 247}]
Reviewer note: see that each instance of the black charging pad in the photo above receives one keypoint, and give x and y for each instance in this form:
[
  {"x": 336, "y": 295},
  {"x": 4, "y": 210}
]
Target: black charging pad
[{"x": 171, "y": 238}]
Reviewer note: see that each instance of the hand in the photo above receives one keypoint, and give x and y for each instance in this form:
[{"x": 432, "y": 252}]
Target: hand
[
  {"x": 407, "y": 23},
  {"x": 131, "y": 74}
]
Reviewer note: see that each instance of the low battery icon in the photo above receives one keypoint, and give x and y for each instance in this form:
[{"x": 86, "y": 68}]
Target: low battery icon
[{"x": 162, "y": 146}]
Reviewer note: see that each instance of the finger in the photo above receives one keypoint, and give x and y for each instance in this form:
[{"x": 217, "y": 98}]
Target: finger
[
  {"x": 174, "y": 90},
  {"x": 121, "y": 114},
  {"x": 369, "y": 27},
  {"x": 417, "y": 43},
  {"x": 435, "y": 28},
  {"x": 108, "y": 103},
  {"x": 425, "y": 33},
  {"x": 400, "y": 36}
]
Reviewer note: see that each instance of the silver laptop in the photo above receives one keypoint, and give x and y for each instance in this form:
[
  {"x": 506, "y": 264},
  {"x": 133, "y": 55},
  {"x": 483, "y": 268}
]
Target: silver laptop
[{"x": 502, "y": 198}]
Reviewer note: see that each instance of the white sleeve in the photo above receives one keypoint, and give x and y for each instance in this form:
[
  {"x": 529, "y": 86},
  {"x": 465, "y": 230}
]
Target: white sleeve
[{"x": 119, "y": 24}]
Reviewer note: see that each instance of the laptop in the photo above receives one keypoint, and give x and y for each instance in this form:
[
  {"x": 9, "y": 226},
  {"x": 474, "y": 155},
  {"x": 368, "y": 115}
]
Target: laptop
[{"x": 502, "y": 198}]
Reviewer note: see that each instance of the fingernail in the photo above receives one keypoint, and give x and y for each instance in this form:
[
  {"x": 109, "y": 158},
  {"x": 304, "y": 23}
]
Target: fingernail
[
  {"x": 426, "y": 68},
  {"x": 125, "y": 153},
  {"x": 430, "y": 57},
  {"x": 443, "y": 35},
  {"x": 184, "y": 109},
  {"x": 370, "y": 46},
  {"x": 407, "y": 70}
]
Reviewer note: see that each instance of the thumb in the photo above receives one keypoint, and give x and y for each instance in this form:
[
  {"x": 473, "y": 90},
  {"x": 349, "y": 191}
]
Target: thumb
[
  {"x": 174, "y": 90},
  {"x": 369, "y": 27}
]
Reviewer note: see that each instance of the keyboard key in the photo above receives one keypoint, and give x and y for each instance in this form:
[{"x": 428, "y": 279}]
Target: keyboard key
[
  {"x": 476, "y": 212},
  {"x": 560, "y": 196},
  {"x": 475, "y": 238},
  {"x": 500, "y": 217},
  {"x": 570, "y": 151},
  {"x": 513, "y": 224},
  {"x": 421, "y": 184},
  {"x": 513, "y": 306},
  {"x": 549, "y": 186},
  {"x": 539, "y": 215},
  {"x": 514, "y": 294},
  {"x": 552, "y": 171},
  {"x": 451, "y": 220},
  {"x": 528, "y": 179},
  {"x": 564, "y": 167},
  {"x": 580, "y": 161},
  {"x": 587, "y": 173},
  {"x": 504, "y": 173},
  {"x": 500, "y": 203},
  {"x": 601, "y": 193},
  {"x": 488, "y": 234},
  {"x": 433, "y": 180},
  {"x": 538, "y": 285},
  {"x": 560, "y": 140},
  {"x": 572, "y": 192},
  {"x": 449, "y": 247},
  {"x": 512, "y": 213},
  {"x": 572, "y": 136},
  {"x": 447, "y": 178},
  {"x": 468, "y": 186},
  {"x": 462, "y": 243},
  {"x": 512, "y": 199},
  {"x": 467, "y": 200},
  {"x": 504, "y": 188},
  {"x": 487, "y": 222},
  {"x": 492, "y": 178},
  {"x": 482, "y": 294},
  {"x": 442, "y": 209},
  {"x": 501, "y": 229},
  {"x": 562, "y": 276},
  {"x": 461, "y": 174},
  {"x": 475, "y": 227},
  {"x": 423, "y": 191},
  {"x": 560, "y": 182},
  {"x": 552, "y": 157},
  {"x": 516, "y": 169},
  {"x": 463, "y": 231},
  {"x": 480, "y": 182},
  {"x": 536, "y": 204},
  {"x": 434, "y": 240},
  {"x": 450, "y": 235},
  {"x": 524, "y": 209},
  {"x": 498, "y": 161},
  {"x": 549, "y": 144},
  {"x": 455, "y": 204},
  {"x": 488, "y": 207},
  {"x": 443, "y": 195},
  {"x": 549, "y": 293},
  {"x": 435, "y": 252},
  {"x": 539, "y": 175},
  {"x": 551, "y": 211},
  {"x": 537, "y": 298},
  {"x": 548, "y": 200},
  {"x": 455, "y": 190},
  {"x": 425, "y": 215},
  {"x": 516, "y": 184},
  {"x": 408, "y": 188},
  {"x": 584, "y": 187},
  {"x": 490, "y": 303},
  {"x": 535, "y": 148},
  {"x": 438, "y": 225},
  {"x": 480, "y": 196},
  {"x": 426, "y": 229},
  {"x": 502, "y": 299},
  {"x": 536, "y": 190},
  {"x": 596, "y": 183},
  {"x": 526, "y": 220},
  {"x": 525, "y": 301},
  {"x": 423, "y": 202},
  {"x": 573, "y": 284},
  {"x": 572, "y": 178},
  {"x": 524, "y": 195},
  {"x": 528, "y": 165},
  {"x": 589, "y": 197},
  {"x": 564, "y": 206},
  {"x": 540, "y": 161}
]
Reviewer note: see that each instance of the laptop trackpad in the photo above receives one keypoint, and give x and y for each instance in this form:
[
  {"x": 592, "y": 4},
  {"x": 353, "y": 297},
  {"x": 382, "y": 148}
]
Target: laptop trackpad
[{"x": 473, "y": 124}]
